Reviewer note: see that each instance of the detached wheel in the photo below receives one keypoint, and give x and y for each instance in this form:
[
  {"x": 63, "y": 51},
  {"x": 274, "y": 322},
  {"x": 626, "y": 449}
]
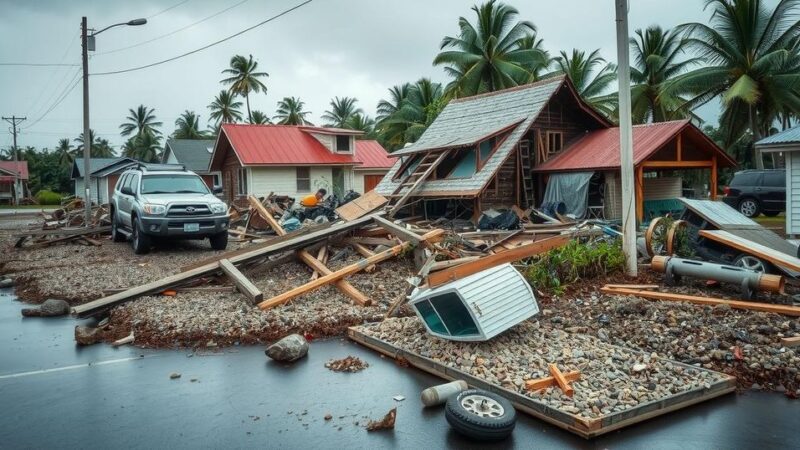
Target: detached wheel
[
  {"x": 116, "y": 236},
  {"x": 139, "y": 241},
  {"x": 219, "y": 241},
  {"x": 481, "y": 415},
  {"x": 752, "y": 263},
  {"x": 749, "y": 207}
]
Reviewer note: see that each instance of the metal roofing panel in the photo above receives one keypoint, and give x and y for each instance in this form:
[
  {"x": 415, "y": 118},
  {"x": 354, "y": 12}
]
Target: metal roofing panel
[
  {"x": 19, "y": 167},
  {"x": 790, "y": 136},
  {"x": 719, "y": 214},
  {"x": 372, "y": 155},
  {"x": 194, "y": 154},
  {"x": 280, "y": 145}
]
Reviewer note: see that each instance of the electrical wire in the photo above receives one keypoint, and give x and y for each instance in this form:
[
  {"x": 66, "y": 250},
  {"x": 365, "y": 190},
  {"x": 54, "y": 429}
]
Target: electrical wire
[
  {"x": 132, "y": 69},
  {"x": 34, "y": 106},
  {"x": 165, "y": 10},
  {"x": 172, "y": 32},
  {"x": 60, "y": 99},
  {"x": 39, "y": 64}
]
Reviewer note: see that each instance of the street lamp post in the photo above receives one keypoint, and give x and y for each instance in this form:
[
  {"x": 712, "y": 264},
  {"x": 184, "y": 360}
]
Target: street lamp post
[{"x": 87, "y": 138}]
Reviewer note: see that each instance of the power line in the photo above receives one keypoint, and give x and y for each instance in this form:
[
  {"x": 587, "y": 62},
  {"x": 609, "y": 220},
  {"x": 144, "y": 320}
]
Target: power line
[
  {"x": 61, "y": 98},
  {"x": 114, "y": 72},
  {"x": 35, "y": 104},
  {"x": 165, "y": 10},
  {"x": 39, "y": 64},
  {"x": 172, "y": 32}
]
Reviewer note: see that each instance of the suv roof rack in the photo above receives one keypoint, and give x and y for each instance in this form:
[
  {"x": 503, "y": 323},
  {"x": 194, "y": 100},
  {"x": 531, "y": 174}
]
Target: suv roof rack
[{"x": 155, "y": 167}]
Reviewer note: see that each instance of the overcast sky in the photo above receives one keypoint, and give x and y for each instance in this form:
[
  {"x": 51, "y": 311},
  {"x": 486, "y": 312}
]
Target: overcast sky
[{"x": 328, "y": 48}]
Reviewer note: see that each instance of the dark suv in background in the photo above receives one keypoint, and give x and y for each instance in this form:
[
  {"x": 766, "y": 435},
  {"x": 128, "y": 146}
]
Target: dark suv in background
[{"x": 753, "y": 192}]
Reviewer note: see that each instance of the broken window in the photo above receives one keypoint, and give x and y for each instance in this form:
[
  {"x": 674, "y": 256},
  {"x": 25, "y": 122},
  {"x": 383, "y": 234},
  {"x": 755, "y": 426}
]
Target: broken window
[
  {"x": 455, "y": 314},
  {"x": 460, "y": 164},
  {"x": 408, "y": 165}
]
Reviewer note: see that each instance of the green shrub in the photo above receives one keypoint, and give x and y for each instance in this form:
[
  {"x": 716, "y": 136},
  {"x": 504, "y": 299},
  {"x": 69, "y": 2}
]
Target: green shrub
[
  {"x": 47, "y": 197},
  {"x": 554, "y": 270}
]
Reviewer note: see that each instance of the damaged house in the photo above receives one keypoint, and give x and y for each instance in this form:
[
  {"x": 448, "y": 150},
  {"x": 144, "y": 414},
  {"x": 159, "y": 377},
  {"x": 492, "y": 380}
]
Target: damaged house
[{"x": 534, "y": 143}]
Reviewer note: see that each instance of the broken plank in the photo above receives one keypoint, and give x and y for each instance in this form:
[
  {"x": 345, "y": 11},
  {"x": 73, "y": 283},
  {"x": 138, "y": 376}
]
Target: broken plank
[
  {"x": 711, "y": 301},
  {"x": 467, "y": 269},
  {"x": 343, "y": 285},
  {"x": 361, "y": 206},
  {"x": 753, "y": 248},
  {"x": 790, "y": 341},
  {"x": 262, "y": 211},
  {"x": 546, "y": 382},
  {"x": 562, "y": 382},
  {"x": 398, "y": 230},
  {"x": 66, "y": 232},
  {"x": 365, "y": 252},
  {"x": 441, "y": 265},
  {"x": 634, "y": 286},
  {"x": 370, "y": 241},
  {"x": 244, "y": 285},
  {"x": 322, "y": 256},
  {"x": 208, "y": 289},
  {"x": 341, "y": 273}
]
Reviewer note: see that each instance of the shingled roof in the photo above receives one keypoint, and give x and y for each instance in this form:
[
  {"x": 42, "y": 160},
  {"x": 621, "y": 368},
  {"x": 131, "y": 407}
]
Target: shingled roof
[{"x": 194, "y": 154}]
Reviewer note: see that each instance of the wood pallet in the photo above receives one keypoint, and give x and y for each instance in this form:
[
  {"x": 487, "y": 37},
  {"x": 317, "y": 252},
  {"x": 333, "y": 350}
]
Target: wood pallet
[{"x": 586, "y": 428}]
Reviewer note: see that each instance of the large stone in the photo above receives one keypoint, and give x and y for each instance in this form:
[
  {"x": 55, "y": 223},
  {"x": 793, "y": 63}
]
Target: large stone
[
  {"x": 50, "y": 308},
  {"x": 6, "y": 283},
  {"x": 290, "y": 348},
  {"x": 86, "y": 335}
]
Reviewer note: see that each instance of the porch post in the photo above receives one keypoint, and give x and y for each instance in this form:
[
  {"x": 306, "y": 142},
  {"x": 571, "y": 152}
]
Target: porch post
[
  {"x": 640, "y": 194},
  {"x": 713, "y": 187}
]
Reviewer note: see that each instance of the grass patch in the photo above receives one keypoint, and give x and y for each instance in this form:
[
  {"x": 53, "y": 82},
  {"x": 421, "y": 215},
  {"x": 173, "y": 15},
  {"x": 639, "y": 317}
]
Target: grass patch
[{"x": 556, "y": 269}]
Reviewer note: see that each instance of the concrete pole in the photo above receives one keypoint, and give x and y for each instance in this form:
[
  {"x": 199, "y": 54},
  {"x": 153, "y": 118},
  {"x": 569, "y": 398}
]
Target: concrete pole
[
  {"x": 626, "y": 140},
  {"x": 87, "y": 139}
]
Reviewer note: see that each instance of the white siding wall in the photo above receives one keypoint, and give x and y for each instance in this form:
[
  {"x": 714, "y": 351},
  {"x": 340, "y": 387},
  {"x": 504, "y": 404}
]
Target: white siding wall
[
  {"x": 325, "y": 139},
  {"x": 93, "y": 185},
  {"x": 793, "y": 193},
  {"x": 283, "y": 180}
]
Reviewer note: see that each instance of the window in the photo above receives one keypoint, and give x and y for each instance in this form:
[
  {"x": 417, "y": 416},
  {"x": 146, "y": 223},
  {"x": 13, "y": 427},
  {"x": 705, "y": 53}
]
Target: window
[
  {"x": 121, "y": 181},
  {"x": 747, "y": 179},
  {"x": 171, "y": 184},
  {"x": 775, "y": 179},
  {"x": 408, "y": 165},
  {"x": 555, "y": 142},
  {"x": 303, "y": 179},
  {"x": 486, "y": 148},
  {"x": 466, "y": 165},
  {"x": 216, "y": 179},
  {"x": 241, "y": 188},
  {"x": 132, "y": 182},
  {"x": 430, "y": 317},
  {"x": 342, "y": 143},
  {"x": 455, "y": 314}
]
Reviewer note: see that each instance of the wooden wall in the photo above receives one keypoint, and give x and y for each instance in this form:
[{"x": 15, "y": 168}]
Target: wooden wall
[{"x": 502, "y": 190}]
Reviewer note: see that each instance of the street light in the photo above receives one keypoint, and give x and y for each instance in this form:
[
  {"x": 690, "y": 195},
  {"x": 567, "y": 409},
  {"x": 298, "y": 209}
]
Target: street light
[{"x": 87, "y": 43}]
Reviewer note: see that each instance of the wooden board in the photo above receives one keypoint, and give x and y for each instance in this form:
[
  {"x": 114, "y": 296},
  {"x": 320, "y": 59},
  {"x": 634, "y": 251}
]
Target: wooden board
[
  {"x": 736, "y": 304},
  {"x": 753, "y": 248},
  {"x": 790, "y": 341},
  {"x": 587, "y": 428},
  {"x": 243, "y": 284},
  {"x": 362, "y": 205},
  {"x": 398, "y": 230}
]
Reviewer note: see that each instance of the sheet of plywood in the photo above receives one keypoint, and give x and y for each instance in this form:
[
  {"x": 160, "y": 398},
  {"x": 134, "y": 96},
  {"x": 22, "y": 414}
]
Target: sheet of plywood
[{"x": 360, "y": 206}]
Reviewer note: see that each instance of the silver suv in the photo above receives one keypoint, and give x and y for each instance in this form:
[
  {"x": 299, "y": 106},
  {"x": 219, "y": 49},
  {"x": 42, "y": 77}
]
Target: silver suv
[{"x": 166, "y": 200}]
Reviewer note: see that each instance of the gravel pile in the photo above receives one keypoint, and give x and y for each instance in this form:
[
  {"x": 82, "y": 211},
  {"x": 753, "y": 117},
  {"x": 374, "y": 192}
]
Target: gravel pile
[
  {"x": 348, "y": 364},
  {"x": 613, "y": 379}
]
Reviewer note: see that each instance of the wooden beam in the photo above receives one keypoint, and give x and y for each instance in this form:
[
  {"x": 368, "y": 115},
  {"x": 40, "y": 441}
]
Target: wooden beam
[
  {"x": 713, "y": 181},
  {"x": 370, "y": 241},
  {"x": 736, "y": 304},
  {"x": 65, "y": 232},
  {"x": 365, "y": 252},
  {"x": 639, "y": 186},
  {"x": 441, "y": 265},
  {"x": 562, "y": 382},
  {"x": 262, "y": 211},
  {"x": 243, "y": 284},
  {"x": 346, "y": 288},
  {"x": 753, "y": 248},
  {"x": 790, "y": 341},
  {"x": 398, "y": 230},
  {"x": 680, "y": 147},
  {"x": 546, "y": 382},
  {"x": 341, "y": 273},
  {"x": 467, "y": 269},
  {"x": 676, "y": 164},
  {"x": 322, "y": 256}
]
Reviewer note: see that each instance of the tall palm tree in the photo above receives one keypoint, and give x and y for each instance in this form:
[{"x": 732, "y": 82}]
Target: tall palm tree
[
  {"x": 487, "y": 56},
  {"x": 104, "y": 149},
  {"x": 290, "y": 112},
  {"x": 141, "y": 120},
  {"x": 536, "y": 67},
  {"x": 362, "y": 122},
  {"x": 417, "y": 111},
  {"x": 225, "y": 108},
  {"x": 342, "y": 109},
  {"x": 244, "y": 79},
  {"x": 144, "y": 147},
  {"x": 655, "y": 60},
  {"x": 592, "y": 77},
  {"x": 99, "y": 148},
  {"x": 187, "y": 126},
  {"x": 259, "y": 118},
  {"x": 64, "y": 151},
  {"x": 752, "y": 64},
  {"x": 397, "y": 95}
]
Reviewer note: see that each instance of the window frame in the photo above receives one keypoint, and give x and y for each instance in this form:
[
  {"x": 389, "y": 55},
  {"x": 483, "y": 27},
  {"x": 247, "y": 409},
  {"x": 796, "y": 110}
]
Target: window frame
[
  {"x": 548, "y": 134},
  {"x": 349, "y": 143},
  {"x": 241, "y": 181},
  {"x": 298, "y": 179},
  {"x": 216, "y": 177}
]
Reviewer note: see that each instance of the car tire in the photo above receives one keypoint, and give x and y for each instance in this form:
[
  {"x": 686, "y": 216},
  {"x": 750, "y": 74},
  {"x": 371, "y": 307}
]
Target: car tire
[
  {"x": 116, "y": 236},
  {"x": 481, "y": 415},
  {"x": 139, "y": 241},
  {"x": 219, "y": 241},
  {"x": 749, "y": 207},
  {"x": 753, "y": 263},
  {"x": 771, "y": 213}
]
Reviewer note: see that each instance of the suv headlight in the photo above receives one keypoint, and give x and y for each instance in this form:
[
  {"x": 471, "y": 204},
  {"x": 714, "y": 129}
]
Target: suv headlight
[
  {"x": 218, "y": 208},
  {"x": 154, "y": 210}
]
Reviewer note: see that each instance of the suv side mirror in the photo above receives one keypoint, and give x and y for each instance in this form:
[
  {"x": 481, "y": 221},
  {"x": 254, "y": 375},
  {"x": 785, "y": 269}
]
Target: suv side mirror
[
  {"x": 126, "y": 190},
  {"x": 217, "y": 190}
]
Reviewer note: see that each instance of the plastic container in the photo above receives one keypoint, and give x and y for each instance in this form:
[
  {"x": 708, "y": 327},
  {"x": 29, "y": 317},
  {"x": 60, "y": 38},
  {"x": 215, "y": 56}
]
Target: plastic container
[{"x": 438, "y": 395}]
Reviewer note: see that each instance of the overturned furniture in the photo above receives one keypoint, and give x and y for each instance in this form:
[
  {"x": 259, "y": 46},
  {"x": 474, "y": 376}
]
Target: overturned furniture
[
  {"x": 478, "y": 307},
  {"x": 750, "y": 281}
]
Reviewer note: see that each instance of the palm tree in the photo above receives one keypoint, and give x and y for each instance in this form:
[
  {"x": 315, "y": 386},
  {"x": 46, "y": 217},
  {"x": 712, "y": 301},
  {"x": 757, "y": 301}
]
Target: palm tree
[
  {"x": 225, "y": 108},
  {"x": 362, "y": 122},
  {"x": 187, "y": 126},
  {"x": 290, "y": 112},
  {"x": 342, "y": 110},
  {"x": 104, "y": 149},
  {"x": 422, "y": 103},
  {"x": 142, "y": 121},
  {"x": 259, "y": 118},
  {"x": 752, "y": 64},
  {"x": 64, "y": 151},
  {"x": 655, "y": 61},
  {"x": 536, "y": 66},
  {"x": 397, "y": 94},
  {"x": 145, "y": 148},
  {"x": 487, "y": 56},
  {"x": 244, "y": 79},
  {"x": 592, "y": 77}
]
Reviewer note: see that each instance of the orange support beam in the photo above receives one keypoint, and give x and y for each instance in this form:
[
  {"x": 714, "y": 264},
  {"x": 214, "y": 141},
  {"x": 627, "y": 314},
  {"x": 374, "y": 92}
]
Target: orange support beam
[
  {"x": 680, "y": 147},
  {"x": 639, "y": 186},
  {"x": 713, "y": 181}
]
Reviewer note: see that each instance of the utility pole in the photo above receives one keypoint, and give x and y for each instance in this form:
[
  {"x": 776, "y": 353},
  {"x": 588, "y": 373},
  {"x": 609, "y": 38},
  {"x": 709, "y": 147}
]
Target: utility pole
[
  {"x": 87, "y": 138},
  {"x": 626, "y": 140},
  {"x": 14, "y": 120}
]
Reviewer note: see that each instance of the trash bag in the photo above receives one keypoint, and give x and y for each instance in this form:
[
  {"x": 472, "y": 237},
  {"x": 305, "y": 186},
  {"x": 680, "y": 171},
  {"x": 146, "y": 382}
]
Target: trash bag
[
  {"x": 291, "y": 224},
  {"x": 350, "y": 196},
  {"x": 506, "y": 220}
]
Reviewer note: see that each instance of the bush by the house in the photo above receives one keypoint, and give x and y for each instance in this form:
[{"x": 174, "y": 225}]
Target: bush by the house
[{"x": 47, "y": 197}]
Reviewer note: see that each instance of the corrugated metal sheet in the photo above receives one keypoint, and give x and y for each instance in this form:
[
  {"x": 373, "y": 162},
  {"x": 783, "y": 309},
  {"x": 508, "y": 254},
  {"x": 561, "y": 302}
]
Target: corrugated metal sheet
[
  {"x": 280, "y": 145},
  {"x": 497, "y": 298},
  {"x": 719, "y": 214},
  {"x": 372, "y": 155},
  {"x": 790, "y": 136},
  {"x": 20, "y": 168}
]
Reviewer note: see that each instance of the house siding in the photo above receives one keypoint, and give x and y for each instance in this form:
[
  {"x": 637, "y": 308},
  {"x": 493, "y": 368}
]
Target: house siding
[
  {"x": 503, "y": 193},
  {"x": 793, "y": 193},
  {"x": 283, "y": 180},
  {"x": 230, "y": 179},
  {"x": 96, "y": 185}
]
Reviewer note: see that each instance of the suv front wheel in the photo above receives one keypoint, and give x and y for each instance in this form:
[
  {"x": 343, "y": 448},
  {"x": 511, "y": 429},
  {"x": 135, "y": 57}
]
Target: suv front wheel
[
  {"x": 139, "y": 241},
  {"x": 749, "y": 207}
]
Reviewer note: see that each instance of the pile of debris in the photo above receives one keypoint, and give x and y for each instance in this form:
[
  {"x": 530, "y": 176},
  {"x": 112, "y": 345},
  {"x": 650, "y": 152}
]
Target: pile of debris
[
  {"x": 67, "y": 224},
  {"x": 349, "y": 364}
]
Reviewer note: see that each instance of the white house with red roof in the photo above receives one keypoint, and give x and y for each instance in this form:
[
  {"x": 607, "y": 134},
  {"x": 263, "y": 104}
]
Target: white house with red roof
[
  {"x": 13, "y": 181},
  {"x": 295, "y": 160}
]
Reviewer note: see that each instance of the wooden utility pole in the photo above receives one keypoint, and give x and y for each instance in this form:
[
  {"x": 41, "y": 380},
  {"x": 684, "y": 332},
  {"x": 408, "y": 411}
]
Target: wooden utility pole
[
  {"x": 87, "y": 137},
  {"x": 14, "y": 120}
]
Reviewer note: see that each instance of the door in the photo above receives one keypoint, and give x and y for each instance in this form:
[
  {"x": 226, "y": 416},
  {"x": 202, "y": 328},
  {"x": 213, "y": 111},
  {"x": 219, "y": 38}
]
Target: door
[
  {"x": 773, "y": 191},
  {"x": 126, "y": 201},
  {"x": 338, "y": 181},
  {"x": 370, "y": 181}
]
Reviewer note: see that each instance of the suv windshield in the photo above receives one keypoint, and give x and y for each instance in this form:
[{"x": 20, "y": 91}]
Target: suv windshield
[{"x": 173, "y": 184}]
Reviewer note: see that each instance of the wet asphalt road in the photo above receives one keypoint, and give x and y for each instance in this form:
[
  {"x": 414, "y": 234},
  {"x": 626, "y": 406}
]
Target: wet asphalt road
[{"x": 57, "y": 395}]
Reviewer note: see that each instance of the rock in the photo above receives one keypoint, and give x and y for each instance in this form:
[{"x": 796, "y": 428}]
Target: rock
[
  {"x": 174, "y": 375},
  {"x": 52, "y": 308},
  {"x": 328, "y": 416},
  {"x": 291, "y": 348},
  {"x": 639, "y": 367},
  {"x": 86, "y": 335}
]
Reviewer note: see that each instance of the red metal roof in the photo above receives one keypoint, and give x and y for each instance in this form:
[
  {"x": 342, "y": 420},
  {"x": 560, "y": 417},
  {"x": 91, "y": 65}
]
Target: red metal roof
[
  {"x": 372, "y": 155},
  {"x": 280, "y": 145},
  {"x": 600, "y": 149},
  {"x": 20, "y": 167}
]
